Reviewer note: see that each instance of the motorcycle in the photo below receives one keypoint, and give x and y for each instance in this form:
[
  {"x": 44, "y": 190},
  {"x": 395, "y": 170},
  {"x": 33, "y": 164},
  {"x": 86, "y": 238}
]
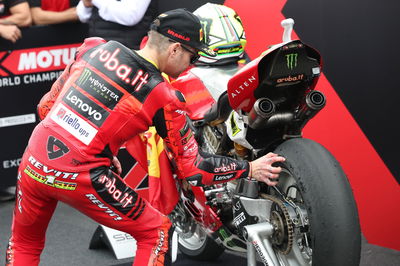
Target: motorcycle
[{"x": 310, "y": 217}]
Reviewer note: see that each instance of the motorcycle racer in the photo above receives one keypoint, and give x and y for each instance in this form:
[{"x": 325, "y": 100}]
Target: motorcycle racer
[{"x": 106, "y": 96}]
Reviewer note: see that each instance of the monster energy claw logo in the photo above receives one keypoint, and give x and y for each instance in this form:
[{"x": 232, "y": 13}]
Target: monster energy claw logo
[
  {"x": 291, "y": 61},
  {"x": 84, "y": 76}
]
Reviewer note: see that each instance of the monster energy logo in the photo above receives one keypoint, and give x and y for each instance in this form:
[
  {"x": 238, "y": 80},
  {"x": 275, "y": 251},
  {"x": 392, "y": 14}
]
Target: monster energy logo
[
  {"x": 84, "y": 76},
  {"x": 291, "y": 61}
]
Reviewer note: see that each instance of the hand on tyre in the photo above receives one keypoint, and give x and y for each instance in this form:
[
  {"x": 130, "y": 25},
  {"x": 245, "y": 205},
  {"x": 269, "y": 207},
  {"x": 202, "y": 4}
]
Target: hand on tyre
[{"x": 262, "y": 170}]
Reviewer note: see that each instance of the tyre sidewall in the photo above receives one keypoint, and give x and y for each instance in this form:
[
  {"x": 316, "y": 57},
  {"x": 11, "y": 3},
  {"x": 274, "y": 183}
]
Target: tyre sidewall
[{"x": 332, "y": 211}]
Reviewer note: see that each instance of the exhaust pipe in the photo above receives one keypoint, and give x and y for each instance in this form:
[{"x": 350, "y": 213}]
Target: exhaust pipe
[
  {"x": 262, "y": 109},
  {"x": 314, "y": 102}
]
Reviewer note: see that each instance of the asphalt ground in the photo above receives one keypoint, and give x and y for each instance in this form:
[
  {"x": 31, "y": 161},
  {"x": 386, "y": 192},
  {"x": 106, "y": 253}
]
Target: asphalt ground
[{"x": 70, "y": 232}]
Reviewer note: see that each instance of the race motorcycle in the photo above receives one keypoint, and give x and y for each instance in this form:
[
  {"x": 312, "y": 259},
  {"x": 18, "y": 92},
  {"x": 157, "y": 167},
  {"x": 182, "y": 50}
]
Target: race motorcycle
[{"x": 310, "y": 217}]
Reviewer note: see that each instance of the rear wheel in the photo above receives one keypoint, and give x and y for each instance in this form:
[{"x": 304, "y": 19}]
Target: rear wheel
[{"x": 317, "y": 224}]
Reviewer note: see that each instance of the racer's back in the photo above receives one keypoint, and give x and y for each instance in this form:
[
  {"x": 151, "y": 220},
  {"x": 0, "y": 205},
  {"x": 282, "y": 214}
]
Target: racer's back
[{"x": 100, "y": 106}]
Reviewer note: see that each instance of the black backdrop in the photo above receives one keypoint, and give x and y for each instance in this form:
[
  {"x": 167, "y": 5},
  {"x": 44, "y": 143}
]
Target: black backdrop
[{"x": 359, "y": 43}]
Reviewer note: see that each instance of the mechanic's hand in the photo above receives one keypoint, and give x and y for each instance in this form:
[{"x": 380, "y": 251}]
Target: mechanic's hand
[
  {"x": 117, "y": 165},
  {"x": 10, "y": 32},
  {"x": 262, "y": 170}
]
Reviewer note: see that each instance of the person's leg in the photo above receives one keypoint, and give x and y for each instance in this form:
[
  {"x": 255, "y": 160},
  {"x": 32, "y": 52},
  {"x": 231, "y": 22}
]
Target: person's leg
[
  {"x": 32, "y": 213},
  {"x": 107, "y": 199}
]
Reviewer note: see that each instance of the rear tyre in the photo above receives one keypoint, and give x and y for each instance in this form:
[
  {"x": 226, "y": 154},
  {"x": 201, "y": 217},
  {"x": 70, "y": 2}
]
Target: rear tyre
[{"x": 334, "y": 230}]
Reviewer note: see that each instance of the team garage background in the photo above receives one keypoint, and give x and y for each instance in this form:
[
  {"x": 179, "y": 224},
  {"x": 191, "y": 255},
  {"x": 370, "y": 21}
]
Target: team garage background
[{"x": 358, "y": 42}]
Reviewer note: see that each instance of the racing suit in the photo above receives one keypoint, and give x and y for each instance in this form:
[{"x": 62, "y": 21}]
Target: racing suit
[{"x": 106, "y": 96}]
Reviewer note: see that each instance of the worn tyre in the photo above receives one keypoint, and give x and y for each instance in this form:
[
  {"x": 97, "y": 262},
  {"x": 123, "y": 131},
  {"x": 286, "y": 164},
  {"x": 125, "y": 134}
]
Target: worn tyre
[{"x": 334, "y": 225}]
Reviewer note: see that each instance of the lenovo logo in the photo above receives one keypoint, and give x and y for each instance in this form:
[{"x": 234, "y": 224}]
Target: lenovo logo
[{"x": 86, "y": 107}]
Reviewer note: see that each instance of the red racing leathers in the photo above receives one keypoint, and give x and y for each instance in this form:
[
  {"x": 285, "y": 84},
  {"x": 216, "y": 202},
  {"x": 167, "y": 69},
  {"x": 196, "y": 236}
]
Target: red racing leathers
[{"x": 106, "y": 96}]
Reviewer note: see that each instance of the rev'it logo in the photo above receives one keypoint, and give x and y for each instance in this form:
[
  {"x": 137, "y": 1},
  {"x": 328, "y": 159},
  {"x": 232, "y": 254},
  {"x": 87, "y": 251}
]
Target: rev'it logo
[{"x": 36, "y": 60}]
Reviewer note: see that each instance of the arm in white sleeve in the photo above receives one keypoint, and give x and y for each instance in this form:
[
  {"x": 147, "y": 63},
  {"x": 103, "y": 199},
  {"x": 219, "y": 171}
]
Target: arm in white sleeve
[
  {"x": 83, "y": 12},
  {"x": 124, "y": 12}
]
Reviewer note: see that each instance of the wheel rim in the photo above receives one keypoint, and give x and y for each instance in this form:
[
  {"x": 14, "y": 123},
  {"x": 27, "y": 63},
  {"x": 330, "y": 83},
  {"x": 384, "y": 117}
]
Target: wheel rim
[
  {"x": 300, "y": 253},
  {"x": 194, "y": 239}
]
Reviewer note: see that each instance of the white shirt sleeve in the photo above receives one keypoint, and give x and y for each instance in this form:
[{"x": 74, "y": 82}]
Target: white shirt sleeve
[
  {"x": 83, "y": 12},
  {"x": 124, "y": 12}
]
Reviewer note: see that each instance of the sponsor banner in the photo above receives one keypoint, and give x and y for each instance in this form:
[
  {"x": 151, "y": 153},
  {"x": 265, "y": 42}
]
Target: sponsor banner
[
  {"x": 122, "y": 244},
  {"x": 11, "y": 163},
  {"x": 73, "y": 123},
  {"x": 28, "y": 79},
  {"x": 17, "y": 120},
  {"x": 34, "y": 60}
]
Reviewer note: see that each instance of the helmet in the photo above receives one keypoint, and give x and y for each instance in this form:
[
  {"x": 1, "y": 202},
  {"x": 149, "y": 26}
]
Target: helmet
[{"x": 223, "y": 33}]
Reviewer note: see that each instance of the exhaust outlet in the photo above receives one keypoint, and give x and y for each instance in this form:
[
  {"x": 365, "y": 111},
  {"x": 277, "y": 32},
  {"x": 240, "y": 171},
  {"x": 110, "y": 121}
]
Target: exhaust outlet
[
  {"x": 262, "y": 109},
  {"x": 315, "y": 100},
  {"x": 313, "y": 103}
]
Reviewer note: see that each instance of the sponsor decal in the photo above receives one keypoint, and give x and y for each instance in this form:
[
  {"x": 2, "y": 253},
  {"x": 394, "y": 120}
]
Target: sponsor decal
[
  {"x": 290, "y": 78},
  {"x": 125, "y": 199},
  {"x": 193, "y": 182},
  {"x": 186, "y": 139},
  {"x": 161, "y": 238},
  {"x": 225, "y": 168},
  {"x": 72, "y": 123},
  {"x": 104, "y": 207},
  {"x": 225, "y": 237},
  {"x": 86, "y": 107},
  {"x": 123, "y": 237},
  {"x": 19, "y": 195},
  {"x": 223, "y": 177},
  {"x": 243, "y": 86},
  {"x": 177, "y": 35},
  {"x": 75, "y": 162},
  {"x": 260, "y": 253},
  {"x": 184, "y": 130},
  {"x": 49, "y": 180},
  {"x": 11, "y": 163},
  {"x": 234, "y": 126},
  {"x": 100, "y": 89},
  {"x": 237, "y": 206},
  {"x": 112, "y": 63},
  {"x": 239, "y": 219},
  {"x": 17, "y": 120},
  {"x": 56, "y": 148},
  {"x": 180, "y": 112},
  {"x": 188, "y": 149},
  {"x": 46, "y": 170},
  {"x": 228, "y": 49},
  {"x": 29, "y": 79},
  {"x": 42, "y": 59},
  {"x": 291, "y": 60}
]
